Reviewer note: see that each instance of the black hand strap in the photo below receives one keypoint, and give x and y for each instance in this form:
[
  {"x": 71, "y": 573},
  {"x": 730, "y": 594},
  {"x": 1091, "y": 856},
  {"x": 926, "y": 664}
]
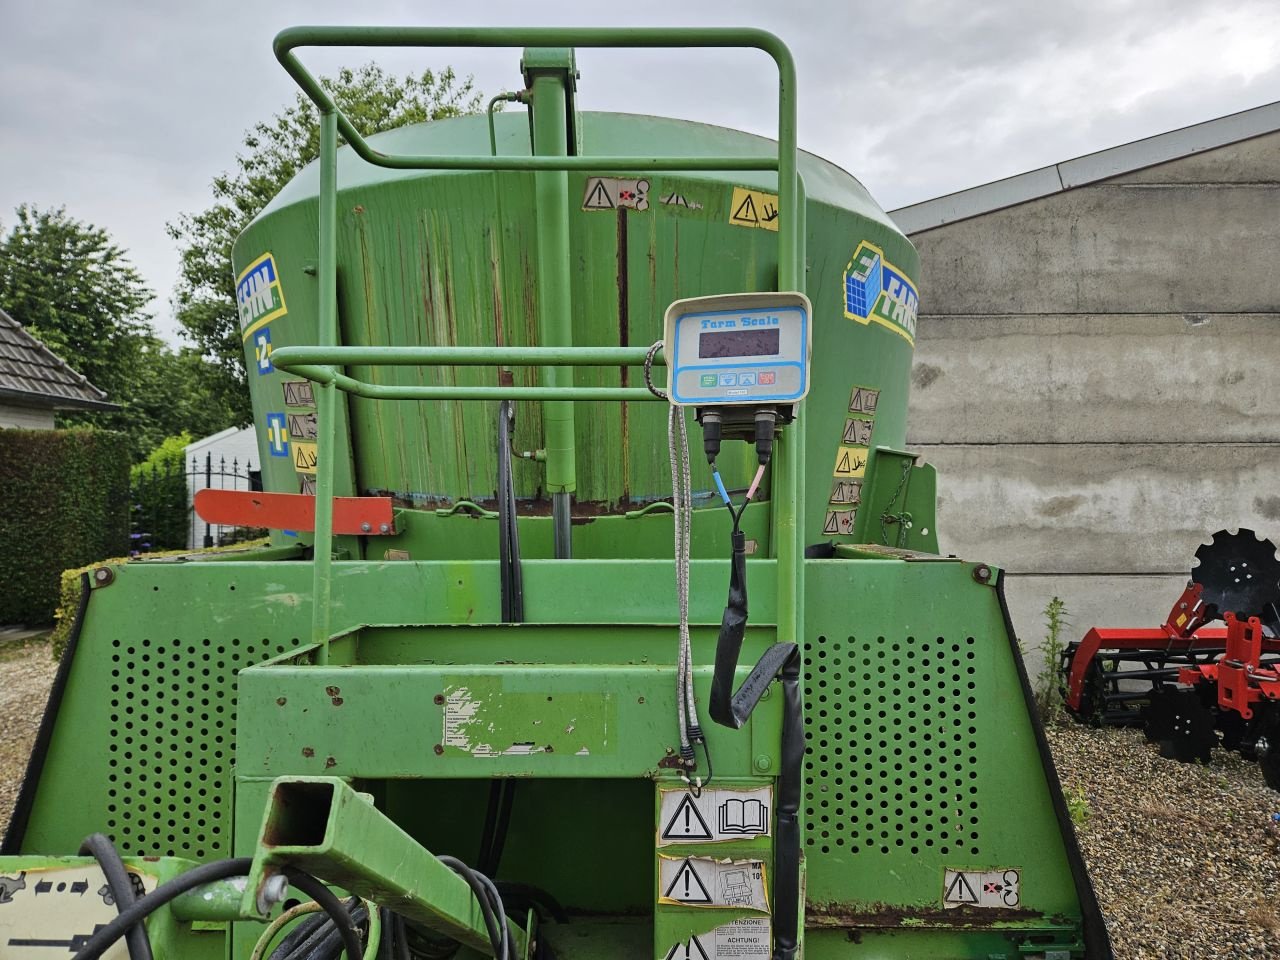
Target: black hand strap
[{"x": 729, "y": 708}]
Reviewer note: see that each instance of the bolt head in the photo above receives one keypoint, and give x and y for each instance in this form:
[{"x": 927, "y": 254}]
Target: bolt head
[
  {"x": 763, "y": 763},
  {"x": 438, "y": 748},
  {"x": 384, "y": 528},
  {"x": 272, "y": 891},
  {"x": 366, "y": 526}
]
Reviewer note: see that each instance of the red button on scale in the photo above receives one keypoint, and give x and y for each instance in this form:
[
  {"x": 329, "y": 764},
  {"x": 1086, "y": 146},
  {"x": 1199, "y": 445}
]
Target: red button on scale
[{"x": 766, "y": 379}]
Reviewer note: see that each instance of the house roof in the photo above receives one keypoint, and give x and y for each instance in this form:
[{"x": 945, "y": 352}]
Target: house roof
[
  {"x": 31, "y": 375},
  {"x": 1090, "y": 168}
]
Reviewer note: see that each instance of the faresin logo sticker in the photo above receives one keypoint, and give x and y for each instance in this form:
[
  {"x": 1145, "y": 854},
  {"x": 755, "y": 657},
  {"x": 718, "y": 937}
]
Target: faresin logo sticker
[
  {"x": 875, "y": 291},
  {"x": 259, "y": 296}
]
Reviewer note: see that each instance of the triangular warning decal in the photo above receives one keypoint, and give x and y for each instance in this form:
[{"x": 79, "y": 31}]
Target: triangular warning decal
[
  {"x": 687, "y": 887},
  {"x": 843, "y": 466},
  {"x": 598, "y": 198},
  {"x": 686, "y": 823},
  {"x": 746, "y": 212},
  {"x": 691, "y": 950},
  {"x": 832, "y": 525},
  {"x": 960, "y": 891}
]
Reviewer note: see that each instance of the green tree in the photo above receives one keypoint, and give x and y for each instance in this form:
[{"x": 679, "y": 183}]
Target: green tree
[
  {"x": 70, "y": 286},
  {"x": 273, "y": 152},
  {"x": 74, "y": 289}
]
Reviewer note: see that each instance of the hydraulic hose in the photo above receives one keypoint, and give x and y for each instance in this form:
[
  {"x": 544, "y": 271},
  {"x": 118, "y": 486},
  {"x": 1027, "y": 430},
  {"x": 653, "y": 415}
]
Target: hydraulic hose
[
  {"x": 103, "y": 850},
  {"x": 100, "y": 941}
]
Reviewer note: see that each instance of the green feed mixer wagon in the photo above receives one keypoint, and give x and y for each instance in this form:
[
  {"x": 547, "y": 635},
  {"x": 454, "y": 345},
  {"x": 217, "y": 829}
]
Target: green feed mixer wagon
[{"x": 602, "y": 616}]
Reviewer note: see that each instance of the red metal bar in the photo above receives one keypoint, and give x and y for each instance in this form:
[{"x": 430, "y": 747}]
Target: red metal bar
[
  {"x": 1155, "y": 639},
  {"x": 369, "y": 516}
]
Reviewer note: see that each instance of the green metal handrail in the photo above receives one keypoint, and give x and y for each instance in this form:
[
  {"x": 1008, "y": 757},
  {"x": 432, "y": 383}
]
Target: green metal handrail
[
  {"x": 790, "y": 451},
  {"x": 319, "y": 365},
  {"x": 785, "y": 163}
]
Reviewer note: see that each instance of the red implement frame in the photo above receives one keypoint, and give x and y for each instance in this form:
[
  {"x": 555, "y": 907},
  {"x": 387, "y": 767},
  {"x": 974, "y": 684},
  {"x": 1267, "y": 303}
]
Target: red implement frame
[
  {"x": 367, "y": 516},
  {"x": 1181, "y": 632},
  {"x": 1242, "y": 681}
]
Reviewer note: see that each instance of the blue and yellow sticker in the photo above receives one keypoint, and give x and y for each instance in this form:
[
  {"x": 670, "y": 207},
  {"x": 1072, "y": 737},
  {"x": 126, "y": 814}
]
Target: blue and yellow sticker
[
  {"x": 262, "y": 351},
  {"x": 259, "y": 296},
  {"x": 875, "y": 291},
  {"x": 277, "y": 435}
]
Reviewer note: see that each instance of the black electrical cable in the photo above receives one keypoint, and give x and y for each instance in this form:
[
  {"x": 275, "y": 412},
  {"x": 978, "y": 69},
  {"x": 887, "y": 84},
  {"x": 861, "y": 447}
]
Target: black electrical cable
[
  {"x": 310, "y": 936},
  {"x": 402, "y": 938},
  {"x": 97, "y": 944},
  {"x": 490, "y": 906},
  {"x": 527, "y": 895},
  {"x": 103, "y": 850},
  {"x": 331, "y": 905},
  {"x": 386, "y": 942},
  {"x": 511, "y": 579},
  {"x": 330, "y": 946},
  {"x": 490, "y": 822},
  {"x": 300, "y": 933},
  {"x": 498, "y": 839}
]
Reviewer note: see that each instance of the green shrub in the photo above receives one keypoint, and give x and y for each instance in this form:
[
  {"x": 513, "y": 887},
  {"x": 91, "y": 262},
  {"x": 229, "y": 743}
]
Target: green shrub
[
  {"x": 158, "y": 491},
  {"x": 64, "y": 502},
  {"x": 1048, "y": 686}
]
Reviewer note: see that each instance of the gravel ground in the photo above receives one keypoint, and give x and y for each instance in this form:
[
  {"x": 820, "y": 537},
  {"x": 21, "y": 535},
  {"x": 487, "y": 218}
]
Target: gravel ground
[
  {"x": 1185, "y": 858},
  {"x": 26, "y": 671}
]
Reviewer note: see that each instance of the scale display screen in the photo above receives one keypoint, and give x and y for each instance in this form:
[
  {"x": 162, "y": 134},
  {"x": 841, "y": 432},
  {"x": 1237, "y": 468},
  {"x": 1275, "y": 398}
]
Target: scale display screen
[
  {"x": 738, "y": 349},
  {"x": 738, "y": 343}
]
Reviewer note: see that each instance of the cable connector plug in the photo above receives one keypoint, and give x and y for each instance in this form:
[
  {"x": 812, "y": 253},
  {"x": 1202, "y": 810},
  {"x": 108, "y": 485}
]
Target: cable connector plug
[
  {"x": 766, "y": 421},
  {"x": 711, "y": 422}
]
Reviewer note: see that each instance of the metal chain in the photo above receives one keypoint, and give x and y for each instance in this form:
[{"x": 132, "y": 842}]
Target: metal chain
[{"x": 901, "y": 519}]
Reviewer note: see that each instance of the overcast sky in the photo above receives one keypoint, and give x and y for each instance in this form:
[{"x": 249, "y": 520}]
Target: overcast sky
[{"x": 123, "y": 110}]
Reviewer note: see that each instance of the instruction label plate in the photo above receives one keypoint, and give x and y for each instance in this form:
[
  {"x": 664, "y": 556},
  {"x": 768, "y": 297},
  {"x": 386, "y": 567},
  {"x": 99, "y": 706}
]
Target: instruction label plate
[
  {"x": 749, "y": 939},
  {"x": 993, "y": 889},
  {"x": 51, "y": 913},
  {"x": 707, "y": 882},
  {"x": 719, "y": 814}
]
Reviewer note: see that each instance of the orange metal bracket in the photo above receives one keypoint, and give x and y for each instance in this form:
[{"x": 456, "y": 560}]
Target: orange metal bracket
[{"x": 368, "y": 516}]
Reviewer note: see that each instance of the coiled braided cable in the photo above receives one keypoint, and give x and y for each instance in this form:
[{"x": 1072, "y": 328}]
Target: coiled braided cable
[{"x": 682, "y": 531}]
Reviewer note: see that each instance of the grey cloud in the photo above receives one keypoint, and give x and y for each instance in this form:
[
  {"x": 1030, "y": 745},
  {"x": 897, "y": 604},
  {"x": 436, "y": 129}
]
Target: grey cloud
[{"x": 124, "y": 111}]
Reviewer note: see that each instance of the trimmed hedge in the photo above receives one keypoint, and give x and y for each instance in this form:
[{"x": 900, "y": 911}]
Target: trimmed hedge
[{"x": 64, "y": 502}]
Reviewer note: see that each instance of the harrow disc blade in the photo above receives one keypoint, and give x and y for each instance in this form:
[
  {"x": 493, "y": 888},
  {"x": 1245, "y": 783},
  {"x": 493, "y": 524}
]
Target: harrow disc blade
[
  {"x": 1180, "y": 725},
  {"x": 1267, "y": 745},
  {"x": 1240, "y": 574}
]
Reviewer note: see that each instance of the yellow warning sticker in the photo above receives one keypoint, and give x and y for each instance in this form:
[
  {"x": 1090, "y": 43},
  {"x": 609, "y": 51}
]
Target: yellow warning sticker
[
  {"x": 304, "y": 457},
  {"x": 850, "y": 461},
  {"x": 751, "y": 208}
]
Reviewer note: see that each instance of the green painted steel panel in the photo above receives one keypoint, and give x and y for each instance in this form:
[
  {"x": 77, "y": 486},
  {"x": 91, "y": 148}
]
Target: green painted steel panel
[
  {"x": 920, "y": 757},
  {"x": 863, "y": 862}
]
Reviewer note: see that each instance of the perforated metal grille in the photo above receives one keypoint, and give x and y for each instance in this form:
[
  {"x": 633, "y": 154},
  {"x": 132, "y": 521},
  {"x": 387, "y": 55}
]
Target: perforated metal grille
[
  {"x": 173, "y": 729},
  {"x": 891, "y": 753}
]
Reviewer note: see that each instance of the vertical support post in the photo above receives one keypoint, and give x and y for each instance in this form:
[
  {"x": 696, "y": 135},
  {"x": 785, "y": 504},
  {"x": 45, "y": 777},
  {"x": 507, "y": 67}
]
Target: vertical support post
[
  {"x": 208, "y": 483},
  {"x": 789, "y": 508},
  {"x": 555, "y": 300},
  {"x": 327, "y": 399}
]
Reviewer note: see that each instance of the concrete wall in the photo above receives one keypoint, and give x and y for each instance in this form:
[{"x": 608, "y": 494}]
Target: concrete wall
[
  {"x": 1094, "y": 381},
  {"x": 25, "y": 418}
]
